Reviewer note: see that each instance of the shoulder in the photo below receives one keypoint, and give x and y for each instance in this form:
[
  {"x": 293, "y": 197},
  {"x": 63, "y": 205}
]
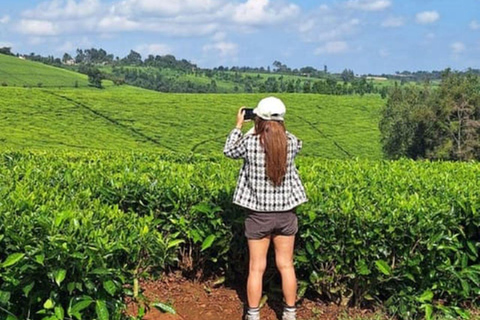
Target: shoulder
[{"x": 291, "y": 136}]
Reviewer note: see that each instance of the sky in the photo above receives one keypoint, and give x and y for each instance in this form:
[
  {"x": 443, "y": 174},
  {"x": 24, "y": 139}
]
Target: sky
[{"x": 366, "y": 36}]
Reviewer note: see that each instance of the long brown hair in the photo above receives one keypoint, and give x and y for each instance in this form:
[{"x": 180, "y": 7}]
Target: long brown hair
[{"x": 273, "y": 138}]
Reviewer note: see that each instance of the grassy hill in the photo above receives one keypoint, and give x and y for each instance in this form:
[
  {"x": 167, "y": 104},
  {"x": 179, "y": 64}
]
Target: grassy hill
[
  {"x": 132, "y": 118},
  {"x": 124, "y": 117},
  {"x": 20, "y": 73}
]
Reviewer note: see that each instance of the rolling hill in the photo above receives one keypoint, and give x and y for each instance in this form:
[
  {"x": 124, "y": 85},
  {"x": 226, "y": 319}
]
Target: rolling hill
[
  {"x": 19, "y": 73},
  {"x": 130, "y": 118}
]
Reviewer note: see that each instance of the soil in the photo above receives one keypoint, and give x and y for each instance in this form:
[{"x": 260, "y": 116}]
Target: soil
[{"x": 203, "y": 300}]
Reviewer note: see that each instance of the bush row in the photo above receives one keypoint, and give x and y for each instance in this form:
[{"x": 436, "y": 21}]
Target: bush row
[{"x": 77, "y": 231}]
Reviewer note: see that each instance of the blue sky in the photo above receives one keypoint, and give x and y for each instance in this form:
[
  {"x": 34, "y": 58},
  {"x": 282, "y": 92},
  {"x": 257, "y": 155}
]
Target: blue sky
[{"x": 367, "y": 36}]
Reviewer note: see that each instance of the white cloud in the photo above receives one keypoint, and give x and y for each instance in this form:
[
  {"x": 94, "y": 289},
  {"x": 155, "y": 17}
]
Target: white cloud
[
  {"x": 188, "y": 18},
  {"x": 112, "y": 23},
  {"x": 223, "y": 49},
  {"x": 6, "y": 44},
  {"x": 37, "y": 28},
  {"x": 458, "y": 47},
  {"x": 64, "y": 10},
  {"x": 261, "y": 12},
  {"x": 165, "y": 8},
  {"x": 427, "y": 17},
  {"x": 332, "y": 47},
  {"x": 328, "y": 24},
  {"x": 69, "y": 46},
  {"x": 4, "y": 19},
  {"x": 368, "y": 5},
  {"x": 155, "y": 49},
  {"x": 393, "y": 22},
  {"x": 474, "y": 25}
]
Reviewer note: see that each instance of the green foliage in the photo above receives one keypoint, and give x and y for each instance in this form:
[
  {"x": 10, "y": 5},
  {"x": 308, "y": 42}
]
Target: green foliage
[
  {"x": 65, "y": 254},
  {"x": 444, "y": 123},
  {"x": 94, "y": 74},
  {"x": 17, "y": 72},
  {"x": 127, "y": 118},
  {"x": 77, "y": 227}
]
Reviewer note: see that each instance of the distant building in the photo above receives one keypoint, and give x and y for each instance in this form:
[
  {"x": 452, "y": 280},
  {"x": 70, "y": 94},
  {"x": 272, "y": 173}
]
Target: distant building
[
  {"x": 70, "y": 62},
  {"x": 22, "y": 57},
  {"x": 377, "y": 78}
]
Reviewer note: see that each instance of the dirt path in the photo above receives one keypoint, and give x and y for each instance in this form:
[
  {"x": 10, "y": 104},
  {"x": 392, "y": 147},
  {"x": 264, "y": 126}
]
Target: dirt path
[{"x": 193, "y": 301}]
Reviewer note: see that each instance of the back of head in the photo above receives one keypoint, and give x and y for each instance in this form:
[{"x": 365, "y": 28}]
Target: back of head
[{"x": 273, "y": 138}]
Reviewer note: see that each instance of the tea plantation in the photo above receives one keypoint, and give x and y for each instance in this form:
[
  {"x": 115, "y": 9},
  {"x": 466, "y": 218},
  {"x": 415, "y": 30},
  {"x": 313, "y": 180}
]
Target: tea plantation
[
  {"x": 78, "y": 229},
  {"x": 119, "y": 118},
  {"x": 100, "y": 188}
]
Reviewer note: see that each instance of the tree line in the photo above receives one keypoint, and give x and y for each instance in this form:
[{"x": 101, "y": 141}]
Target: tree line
[
  {"x": 422, "y": 122},
  {"x": 167, "y": 74}
]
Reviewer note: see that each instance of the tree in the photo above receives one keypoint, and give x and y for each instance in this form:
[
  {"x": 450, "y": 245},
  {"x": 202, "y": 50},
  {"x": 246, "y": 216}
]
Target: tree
[
  {"x": 422, "y": 122},
  {"x": 6, "y": 50},
  {"x": 66, "y": 58},
  {"x": 94, "y": 77},
  {"x": 133, "y": 58},
  {"x": 80, "y": 57},
  {"x": 307, "y": 87},
  {"x": 347, "y": 75},
  {"x": 460, "y": 97}
]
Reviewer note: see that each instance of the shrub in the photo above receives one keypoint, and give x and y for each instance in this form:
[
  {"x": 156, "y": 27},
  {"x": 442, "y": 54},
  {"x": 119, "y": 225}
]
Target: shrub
[{"x": 79, "y": 227}]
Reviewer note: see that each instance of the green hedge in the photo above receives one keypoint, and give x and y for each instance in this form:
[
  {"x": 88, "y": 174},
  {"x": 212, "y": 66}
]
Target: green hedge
[{"x": 78, "y": 229}]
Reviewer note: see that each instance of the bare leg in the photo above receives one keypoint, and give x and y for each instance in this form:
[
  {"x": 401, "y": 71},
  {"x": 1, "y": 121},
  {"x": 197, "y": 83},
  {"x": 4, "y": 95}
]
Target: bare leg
[
  {"x": 284, "y": 260},
  {"x": 258, "y": 262}
]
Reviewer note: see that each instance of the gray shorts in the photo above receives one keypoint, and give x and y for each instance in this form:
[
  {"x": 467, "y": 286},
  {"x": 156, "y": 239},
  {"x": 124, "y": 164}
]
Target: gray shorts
[{"x": 261, "y": 224}]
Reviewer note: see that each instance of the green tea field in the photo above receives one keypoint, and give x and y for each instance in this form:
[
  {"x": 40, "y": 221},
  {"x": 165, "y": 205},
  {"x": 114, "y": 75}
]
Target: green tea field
[
  {"x": 15, "y": 72},
  {"x": 106, "y": 195},
  {"x": 132, "y": 118}
]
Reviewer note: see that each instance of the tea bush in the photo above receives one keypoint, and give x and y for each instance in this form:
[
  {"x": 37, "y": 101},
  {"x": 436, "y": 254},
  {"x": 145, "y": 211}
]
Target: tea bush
[{"x": 79, "y": 229}]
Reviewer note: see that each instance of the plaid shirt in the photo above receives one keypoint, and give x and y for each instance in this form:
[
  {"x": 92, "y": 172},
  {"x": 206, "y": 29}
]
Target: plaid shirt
[{"x": 255, "y": 191}]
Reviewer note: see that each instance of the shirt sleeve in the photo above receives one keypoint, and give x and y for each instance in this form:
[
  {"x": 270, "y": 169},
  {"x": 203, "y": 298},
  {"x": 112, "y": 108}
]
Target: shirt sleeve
[
  {"x": 235, "y": 145},
  {"x": 297, "y": 146}
]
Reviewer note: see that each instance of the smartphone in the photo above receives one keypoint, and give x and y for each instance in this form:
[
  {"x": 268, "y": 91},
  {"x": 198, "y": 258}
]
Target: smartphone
[{"x": 248, "y": 115}]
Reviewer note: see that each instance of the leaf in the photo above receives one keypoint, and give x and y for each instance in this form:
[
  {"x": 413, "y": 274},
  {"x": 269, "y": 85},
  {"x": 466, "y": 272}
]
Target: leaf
[
  {"x": 12, "y": 259},
  {"x": 362, "y": 268},
  {"x": 26, "y": 289},
  {"x": 101, "y": 310},
  {"x": 426, "y": 296},
  {"x": 472, "y": 248},
  {"x": 59, "y": 275},
  {"x": 40, "y": 258},
  {"x": 4, "y": 297},
  {"x": 79, "y": 306},
  {"x": 48, "y": 304},
  {"x": 219, "y": 281},
  {"x": 59, "y": 312},
  {"x": 164, "y": 307},
  {"x": 263, "y": 301},
  {"x": 144, "y": 230},
  {"x": 383, "y": 267},
  {"x": 465, "y": 287},
  {"x": 110, "y": 287},
  {"x": 207, "y": 243},
  {"x": 462, "y": 312},
  {"x": 174, "y": 243},
  {"x": 310, "y": 249},
  {"x": 428, "y": 311}
]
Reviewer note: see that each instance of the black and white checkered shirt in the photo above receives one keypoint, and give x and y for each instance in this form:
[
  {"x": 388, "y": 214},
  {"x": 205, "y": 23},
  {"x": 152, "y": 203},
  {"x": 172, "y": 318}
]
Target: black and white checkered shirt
[{"x": 254, "y": 189}]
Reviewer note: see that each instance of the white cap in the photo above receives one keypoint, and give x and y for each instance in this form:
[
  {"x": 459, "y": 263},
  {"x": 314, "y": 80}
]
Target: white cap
[{"x": 270, "y": 108}]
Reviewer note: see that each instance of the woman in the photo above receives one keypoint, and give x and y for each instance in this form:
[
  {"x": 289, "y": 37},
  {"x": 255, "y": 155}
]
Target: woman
[{"x": 270, "y": 189}]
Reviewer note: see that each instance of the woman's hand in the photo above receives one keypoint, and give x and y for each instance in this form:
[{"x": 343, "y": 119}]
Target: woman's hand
[{"x": 240, "y": 115}]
